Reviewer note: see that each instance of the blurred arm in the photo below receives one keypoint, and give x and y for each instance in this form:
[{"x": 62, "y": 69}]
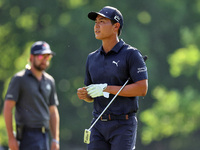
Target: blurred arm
[
  {"x": 8, "y": 116},
  {"x": 54, "y": 126}
]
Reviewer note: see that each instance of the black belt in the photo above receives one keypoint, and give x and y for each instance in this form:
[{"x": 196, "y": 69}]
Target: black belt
[
  {"x": 109, "y": 117},
  {"x": 41, "y": 129}
]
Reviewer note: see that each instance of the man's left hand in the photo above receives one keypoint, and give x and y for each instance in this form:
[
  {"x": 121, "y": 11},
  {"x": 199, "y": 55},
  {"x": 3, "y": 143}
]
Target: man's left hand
[
  {"x": 55, "y": 145},
  {"x": 96, "y": 90}
]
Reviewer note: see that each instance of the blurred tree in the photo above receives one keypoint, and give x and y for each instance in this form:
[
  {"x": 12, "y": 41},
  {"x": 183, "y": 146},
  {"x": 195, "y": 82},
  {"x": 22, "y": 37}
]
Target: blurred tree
[
  {"x": 176, "y": 111},
  {"x": 162, "y": 29}
]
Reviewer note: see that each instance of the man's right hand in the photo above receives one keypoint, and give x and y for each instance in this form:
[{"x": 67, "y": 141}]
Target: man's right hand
[{"x": 83, "y": 94}]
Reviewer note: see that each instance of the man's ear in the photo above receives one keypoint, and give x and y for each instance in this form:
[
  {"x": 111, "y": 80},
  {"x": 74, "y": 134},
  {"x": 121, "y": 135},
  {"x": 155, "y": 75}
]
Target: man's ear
[
  {"x": 31, "y": 58},
  {"x": 117, "y": 25}
]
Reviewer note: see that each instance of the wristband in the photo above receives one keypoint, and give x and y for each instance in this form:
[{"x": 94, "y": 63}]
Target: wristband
[{"x": 56, "y": 141}]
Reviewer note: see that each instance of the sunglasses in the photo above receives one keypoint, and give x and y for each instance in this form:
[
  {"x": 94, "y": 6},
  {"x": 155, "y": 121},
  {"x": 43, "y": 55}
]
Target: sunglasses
[{"x": 44, "y": 56}]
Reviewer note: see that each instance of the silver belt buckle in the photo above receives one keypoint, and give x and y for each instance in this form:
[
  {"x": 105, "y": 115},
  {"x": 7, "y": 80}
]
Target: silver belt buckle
[{"x": 102, "y": 119}]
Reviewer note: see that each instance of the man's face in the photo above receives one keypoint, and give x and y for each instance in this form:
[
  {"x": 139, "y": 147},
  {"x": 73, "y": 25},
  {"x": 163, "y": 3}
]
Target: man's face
[
  {"x": 42, "y": 61},
  {"x": 103, "y": 28}
]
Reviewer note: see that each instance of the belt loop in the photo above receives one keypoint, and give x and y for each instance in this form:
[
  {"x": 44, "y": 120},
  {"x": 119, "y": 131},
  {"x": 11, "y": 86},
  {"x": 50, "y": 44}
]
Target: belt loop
[
  {"x": 126, "y": 117},
  {"x": 109, "y": 117}
]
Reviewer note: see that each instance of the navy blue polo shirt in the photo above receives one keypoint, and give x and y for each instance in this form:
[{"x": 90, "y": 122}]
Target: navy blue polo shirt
[
  {"x": 33, "y": 98},
  {"x": 114, "y": 68}
]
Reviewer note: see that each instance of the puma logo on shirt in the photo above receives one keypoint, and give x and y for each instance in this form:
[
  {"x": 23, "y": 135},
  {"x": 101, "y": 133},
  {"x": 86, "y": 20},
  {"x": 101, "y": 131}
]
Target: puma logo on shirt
[{"x": 116, "y": 63}]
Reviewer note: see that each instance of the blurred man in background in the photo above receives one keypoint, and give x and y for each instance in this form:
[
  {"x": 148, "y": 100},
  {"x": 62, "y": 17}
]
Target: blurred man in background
[{"x": 32, "y": 92}]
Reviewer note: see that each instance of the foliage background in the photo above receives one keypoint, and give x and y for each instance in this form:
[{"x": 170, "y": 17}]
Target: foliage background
[{"x": 167, "y": 31}]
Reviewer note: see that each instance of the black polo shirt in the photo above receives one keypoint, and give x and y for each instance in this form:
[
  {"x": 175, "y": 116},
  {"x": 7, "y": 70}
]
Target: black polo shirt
[
  {"x": 114, "y": 68},
  {"x": 33, "y": 98}
]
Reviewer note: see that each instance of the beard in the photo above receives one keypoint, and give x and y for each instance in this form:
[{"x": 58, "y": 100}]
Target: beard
[{"x": 40, "y": 67}]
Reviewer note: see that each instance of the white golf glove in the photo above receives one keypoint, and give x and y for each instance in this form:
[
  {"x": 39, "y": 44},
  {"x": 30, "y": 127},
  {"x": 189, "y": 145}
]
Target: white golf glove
[{"x": 96, "y": 90}]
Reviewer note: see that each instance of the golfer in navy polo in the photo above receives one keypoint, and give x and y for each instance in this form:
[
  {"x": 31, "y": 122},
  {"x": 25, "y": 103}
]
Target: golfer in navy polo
[{"x": 107, "y": 69}]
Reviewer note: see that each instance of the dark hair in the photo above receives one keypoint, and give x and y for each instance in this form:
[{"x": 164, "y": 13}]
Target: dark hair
[{"x": 119, "y": 31}]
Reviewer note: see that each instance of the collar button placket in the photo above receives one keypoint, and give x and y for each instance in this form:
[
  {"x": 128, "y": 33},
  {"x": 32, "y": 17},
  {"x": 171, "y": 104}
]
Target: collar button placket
[{"x": 104, "y": 65}]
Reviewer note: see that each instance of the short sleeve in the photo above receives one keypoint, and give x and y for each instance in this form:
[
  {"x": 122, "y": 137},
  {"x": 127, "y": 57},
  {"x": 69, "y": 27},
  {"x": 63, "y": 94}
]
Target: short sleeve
[
  {"x": 137, "y": 66},
  {"x": 87, "y": 74},
  {"x": 13, "y": 89},
  {"x": 53, "y": 95}
]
